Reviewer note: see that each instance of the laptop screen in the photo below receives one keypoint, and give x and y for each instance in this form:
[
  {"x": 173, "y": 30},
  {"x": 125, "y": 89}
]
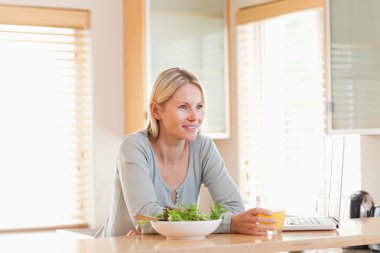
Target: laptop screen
[{"x": 335, "y": 188}]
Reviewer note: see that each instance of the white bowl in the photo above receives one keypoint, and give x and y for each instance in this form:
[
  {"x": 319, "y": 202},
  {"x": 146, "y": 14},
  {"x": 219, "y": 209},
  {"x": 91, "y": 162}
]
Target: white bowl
[{"x": 186, "y": 229}]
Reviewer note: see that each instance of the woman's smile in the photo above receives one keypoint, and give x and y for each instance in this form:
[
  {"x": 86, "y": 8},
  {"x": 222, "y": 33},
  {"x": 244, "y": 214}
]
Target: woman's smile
[
  {"x": 181, "y": 116},
  {"x": 191, "y": 128}
]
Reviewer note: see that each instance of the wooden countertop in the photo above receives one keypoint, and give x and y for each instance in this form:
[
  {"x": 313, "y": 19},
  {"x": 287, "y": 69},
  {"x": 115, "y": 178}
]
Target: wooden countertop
[{"x": 351, "y": 232}]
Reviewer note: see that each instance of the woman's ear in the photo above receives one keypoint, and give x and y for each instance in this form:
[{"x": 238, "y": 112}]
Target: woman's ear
[{"x": 155, "y": 111}]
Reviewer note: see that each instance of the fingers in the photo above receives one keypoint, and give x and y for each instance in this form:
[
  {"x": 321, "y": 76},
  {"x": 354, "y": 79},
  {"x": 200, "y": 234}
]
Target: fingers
[
  {"x": 251, "y": 227},
  {"x": 255, "y": 221},
  {"x": 256, "y": 230},
  {"x": 265, "y": 227},
  {"x": 259, "y": 210},
  {"x": 258, "y": 226},
  {"x": 265, "y": 220},
  {"x": 260, "y": 215},
  {"x": 133, "y": 232}
]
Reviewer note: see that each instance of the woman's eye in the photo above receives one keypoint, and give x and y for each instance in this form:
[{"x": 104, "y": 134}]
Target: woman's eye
[
  {"x": 199, "y": 106},
  {"x": 182, "y": 107}
]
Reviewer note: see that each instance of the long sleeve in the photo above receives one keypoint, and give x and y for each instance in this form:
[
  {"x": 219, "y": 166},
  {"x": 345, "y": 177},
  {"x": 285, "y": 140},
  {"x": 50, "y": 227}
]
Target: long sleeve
[
  {"x": 135, "y": 173},
  {"x": 222, "y": 188},
  {"x": 134, "y": 190}
]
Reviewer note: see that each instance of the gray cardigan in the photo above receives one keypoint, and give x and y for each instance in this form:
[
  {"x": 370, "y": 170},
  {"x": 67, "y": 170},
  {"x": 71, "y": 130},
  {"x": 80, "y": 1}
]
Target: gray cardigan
[{"x": 139, "y": 188}]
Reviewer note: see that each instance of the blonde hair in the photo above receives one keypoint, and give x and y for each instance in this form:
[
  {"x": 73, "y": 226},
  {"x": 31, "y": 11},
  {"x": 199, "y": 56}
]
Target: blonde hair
[{"x": 164, "y": 87}]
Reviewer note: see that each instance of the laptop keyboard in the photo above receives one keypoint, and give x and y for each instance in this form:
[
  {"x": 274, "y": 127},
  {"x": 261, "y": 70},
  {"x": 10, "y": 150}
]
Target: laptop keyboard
[{"x": 303, "y": 220}]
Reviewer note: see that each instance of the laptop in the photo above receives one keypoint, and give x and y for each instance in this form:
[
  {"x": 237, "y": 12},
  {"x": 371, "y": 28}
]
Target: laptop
[{"x": 334, "y": 200}]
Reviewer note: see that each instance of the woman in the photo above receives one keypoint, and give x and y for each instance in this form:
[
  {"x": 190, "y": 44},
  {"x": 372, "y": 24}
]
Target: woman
[{"x": 166, "y": 164}]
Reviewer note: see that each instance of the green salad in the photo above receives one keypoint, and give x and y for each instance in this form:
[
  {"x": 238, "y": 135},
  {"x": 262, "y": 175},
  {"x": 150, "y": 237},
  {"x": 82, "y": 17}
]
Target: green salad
[{"x": 191, "y": 213}]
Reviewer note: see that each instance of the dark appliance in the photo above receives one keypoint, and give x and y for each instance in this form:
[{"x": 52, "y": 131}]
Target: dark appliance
[{"x": 361, "y": 206}]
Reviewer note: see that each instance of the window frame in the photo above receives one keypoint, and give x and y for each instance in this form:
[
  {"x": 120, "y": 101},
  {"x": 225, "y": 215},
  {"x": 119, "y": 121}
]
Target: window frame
[
  {"x": 49, "y": 17},
  {"x": 21, "y": 15}
]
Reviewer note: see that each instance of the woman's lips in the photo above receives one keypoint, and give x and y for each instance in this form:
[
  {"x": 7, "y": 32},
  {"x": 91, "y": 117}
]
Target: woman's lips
[{"x": 190, "y": 127}]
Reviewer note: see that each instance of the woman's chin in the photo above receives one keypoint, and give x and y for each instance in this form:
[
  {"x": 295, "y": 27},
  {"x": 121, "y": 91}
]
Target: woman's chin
[{"x": 191, "y": 135}]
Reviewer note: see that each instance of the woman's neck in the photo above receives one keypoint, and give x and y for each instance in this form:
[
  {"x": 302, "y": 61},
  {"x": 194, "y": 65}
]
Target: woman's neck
[{"x": 168, "y": 151}]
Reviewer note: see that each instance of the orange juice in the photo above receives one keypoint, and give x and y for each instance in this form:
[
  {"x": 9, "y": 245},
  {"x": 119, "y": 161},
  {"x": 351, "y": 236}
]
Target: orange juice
[{"x": 279, "y": 215}]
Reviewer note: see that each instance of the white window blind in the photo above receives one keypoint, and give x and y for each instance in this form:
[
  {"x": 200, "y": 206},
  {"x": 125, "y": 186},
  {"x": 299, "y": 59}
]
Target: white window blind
[
  {"x": 45, "y": 107},
  {"x": 281, "y": 111}
]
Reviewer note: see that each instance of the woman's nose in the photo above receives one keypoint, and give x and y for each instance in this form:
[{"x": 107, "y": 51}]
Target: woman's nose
[{"x": 192, "y": 115}]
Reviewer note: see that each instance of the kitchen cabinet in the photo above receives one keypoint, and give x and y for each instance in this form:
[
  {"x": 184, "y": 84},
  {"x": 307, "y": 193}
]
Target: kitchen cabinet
[{"x": 353, "y": 29}]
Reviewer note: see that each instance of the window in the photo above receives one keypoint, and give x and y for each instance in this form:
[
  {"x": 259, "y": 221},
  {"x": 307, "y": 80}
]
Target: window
[
  {"x": 284, "y": 151},
  {"x": 281, "y": 108},
  {"x": 45, "y": 106}
]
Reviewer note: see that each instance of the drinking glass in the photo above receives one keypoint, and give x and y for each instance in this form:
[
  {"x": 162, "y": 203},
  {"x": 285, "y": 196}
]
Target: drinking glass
[{"x": 279, "y": 215}]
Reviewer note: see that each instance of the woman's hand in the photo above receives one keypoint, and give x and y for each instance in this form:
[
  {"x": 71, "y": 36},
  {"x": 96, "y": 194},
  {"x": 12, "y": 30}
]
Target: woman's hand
[
  {"x": 133, "y": 232},
  {"x": 250, "y": 223}
]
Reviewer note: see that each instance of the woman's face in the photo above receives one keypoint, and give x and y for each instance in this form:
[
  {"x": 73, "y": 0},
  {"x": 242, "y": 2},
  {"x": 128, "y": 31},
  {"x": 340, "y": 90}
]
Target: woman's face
[{"x": 181, "y": 116}]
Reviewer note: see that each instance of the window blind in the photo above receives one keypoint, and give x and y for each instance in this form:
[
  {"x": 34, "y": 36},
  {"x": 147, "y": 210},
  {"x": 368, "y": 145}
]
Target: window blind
[
  {"x": 45, "y": 105},
  {"x": 281, "y": 111}
]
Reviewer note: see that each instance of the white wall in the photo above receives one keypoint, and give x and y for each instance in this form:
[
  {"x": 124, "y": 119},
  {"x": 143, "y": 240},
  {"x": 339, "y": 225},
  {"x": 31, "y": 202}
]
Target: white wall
[
  {"x": 370, "y": 165},
  {"x": 108, "y": 99},
  {"x": 107, "y": 39}
]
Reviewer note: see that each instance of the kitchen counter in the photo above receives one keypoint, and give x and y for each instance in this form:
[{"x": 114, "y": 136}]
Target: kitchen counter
[{"x": 351, "y": 232}]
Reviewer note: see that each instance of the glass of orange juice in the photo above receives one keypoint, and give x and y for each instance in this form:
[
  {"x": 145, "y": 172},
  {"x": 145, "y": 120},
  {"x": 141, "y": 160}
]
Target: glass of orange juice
[{"x": 279, "y": 215}]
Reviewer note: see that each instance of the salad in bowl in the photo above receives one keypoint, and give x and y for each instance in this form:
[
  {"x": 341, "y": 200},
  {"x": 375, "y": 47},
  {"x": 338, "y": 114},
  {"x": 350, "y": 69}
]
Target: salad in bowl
[{"x": 187, "y": 222}]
